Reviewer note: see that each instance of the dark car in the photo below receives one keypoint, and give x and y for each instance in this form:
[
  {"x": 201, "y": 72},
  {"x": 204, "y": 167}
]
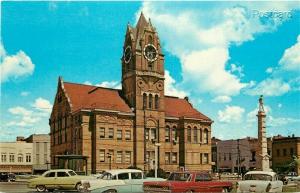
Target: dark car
[{"x": 7, "y": 177}]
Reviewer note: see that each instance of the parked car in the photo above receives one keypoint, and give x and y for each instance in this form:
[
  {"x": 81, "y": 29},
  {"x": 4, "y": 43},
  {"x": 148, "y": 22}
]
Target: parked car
[
  {"x": 121, "y": 180},
  {"x": 7, "y": 177},
  {"x": 260, "y": 181},
  {"x": 188, "y": 182},
  {"x": 292, "y": 176},
  {"x": 57, "y": 179}
]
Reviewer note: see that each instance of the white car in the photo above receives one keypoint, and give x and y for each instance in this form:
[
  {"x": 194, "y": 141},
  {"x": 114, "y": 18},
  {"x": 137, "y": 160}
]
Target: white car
[
  {"x": 260, "y": 181},
  {"x": 119, "y": 180}
]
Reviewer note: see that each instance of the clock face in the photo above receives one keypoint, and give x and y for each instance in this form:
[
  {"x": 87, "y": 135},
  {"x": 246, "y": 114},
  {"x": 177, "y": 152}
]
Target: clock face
[
  {"x": 150, "y": 52},
  {"x": 127, "y": 54}
]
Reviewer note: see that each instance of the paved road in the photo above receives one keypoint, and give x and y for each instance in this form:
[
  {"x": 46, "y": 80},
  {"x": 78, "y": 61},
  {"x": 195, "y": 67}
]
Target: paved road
[{"x": 21, "y": 187}]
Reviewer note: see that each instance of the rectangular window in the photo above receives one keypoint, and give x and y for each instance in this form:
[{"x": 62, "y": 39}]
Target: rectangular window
[
  {"x": 229, "y": 156},
  {"x": 189, "y": 135},
  {"x": 195, "y": 135},
  {"x": 119, "y": 157},
  {"x": 127, "y": 157},
  {"x": 147, "y": 156},
  {"x": 102, "y": 155},
  {"x": 102, "y": 132},
  {"x": 20, "y": 158},
  {"x": 174, "y": 134},
  {"x": 119, "y": 134},
  {"x": 174, "y": 157},
  {"x": 11, "y": 158},
  {"x": 127, "y": 135},
  {"x": 147, "y": 134},
  {"x": 284, "y": 152},
  {"x": 278, "y": 152},
  {"x": 3, "y": 157},
  {"x": 153, "y": 134},
  {"x": 167, "y": 157},
  {"x": 224, "y": 156},
  {"x": 167, "y": 134},
  {"x": 111, "y": 133},
  {"x": 291, "y": 152},
  {"x": 205, "y": 158},
  {"x": 28, "y": 157}
]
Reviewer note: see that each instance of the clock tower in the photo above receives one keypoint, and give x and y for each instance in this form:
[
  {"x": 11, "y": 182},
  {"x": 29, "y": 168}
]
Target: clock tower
[{"x": 143, "y": 85}]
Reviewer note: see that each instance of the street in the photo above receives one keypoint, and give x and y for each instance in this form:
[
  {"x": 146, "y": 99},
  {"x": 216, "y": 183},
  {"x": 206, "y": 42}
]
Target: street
[{"x": 21, "y": 187}]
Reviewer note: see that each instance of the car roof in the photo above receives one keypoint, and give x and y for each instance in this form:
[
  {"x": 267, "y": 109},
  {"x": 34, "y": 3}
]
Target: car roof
[
  {"x": 60, "y": 170},
  {"x": 118, "y": 171},
  {"x": 261, "y": 172}
]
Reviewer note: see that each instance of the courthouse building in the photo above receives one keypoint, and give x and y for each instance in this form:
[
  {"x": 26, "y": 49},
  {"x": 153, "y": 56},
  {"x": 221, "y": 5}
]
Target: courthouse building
[{"x": 113, "y": 128}]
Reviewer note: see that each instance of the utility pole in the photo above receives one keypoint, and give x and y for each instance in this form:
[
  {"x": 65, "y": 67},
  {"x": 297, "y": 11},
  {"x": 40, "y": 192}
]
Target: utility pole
[{"x": 238, "y": 159}]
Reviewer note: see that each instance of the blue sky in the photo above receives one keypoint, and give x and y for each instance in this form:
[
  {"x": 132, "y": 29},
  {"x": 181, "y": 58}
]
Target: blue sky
[{"x": 222, "y": 55}]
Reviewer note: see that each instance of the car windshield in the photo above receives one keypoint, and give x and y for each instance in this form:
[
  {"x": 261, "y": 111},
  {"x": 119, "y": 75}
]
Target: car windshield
[
  {"x": 72, "y": 173},
  {"x": 179, "y": 177},
  {"x": 262, "y": 177},
  {"x": 106, "y": 176}
]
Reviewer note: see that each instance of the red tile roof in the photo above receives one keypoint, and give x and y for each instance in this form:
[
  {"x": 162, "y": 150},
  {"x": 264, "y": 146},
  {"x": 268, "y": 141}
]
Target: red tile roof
[
  {"x": 176, "y": 107},
  {"x": 92, "y": 97}
]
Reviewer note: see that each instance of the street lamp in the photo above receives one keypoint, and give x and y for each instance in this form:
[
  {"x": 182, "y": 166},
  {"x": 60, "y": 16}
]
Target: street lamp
[
  {"x": 109, "y": 159},
  {"x": 156, "y": 157}
]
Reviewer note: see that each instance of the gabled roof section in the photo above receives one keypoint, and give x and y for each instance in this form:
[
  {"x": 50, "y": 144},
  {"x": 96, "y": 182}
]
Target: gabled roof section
[
  {"x": 176, "y": 107},
  {"x": 92, "y": 97}
]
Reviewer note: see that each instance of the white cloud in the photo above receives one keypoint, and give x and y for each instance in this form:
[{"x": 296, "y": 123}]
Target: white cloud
[
  {"x": 87, "y": 82},
  {"x": 291, "y": 58},
  {"x": 231, "y": 114},
  {"x": 221, "y": 99},
  {"x": 170, "y": 87},
  {"x": 111, "y": 84},
  {"x": 25, "y": 93},
  {"x": 237, "y": 69},
  {"x": 24, "y": 117},
  {"x": 204, "y": 44},
  {"x": 270, "y": 87},
  {"x": 251, "y": 116},
  {"x": 269, "y": 70},
  {"x": 42, "y": 105},
  {"x": 14, "y": 66}
]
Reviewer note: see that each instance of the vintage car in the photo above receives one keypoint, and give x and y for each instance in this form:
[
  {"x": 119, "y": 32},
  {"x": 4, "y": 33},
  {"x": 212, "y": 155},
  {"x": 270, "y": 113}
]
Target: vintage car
[
  {"x": 57, "y": 179},
  {"x": 188, "y": 182},
  {"x": 120, "y": 180},
  {"x": 7, "y": 177},
  {"x": 260, "y": 181}
]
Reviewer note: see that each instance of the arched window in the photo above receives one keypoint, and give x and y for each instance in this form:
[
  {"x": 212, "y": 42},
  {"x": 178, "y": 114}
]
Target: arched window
[
  {"x": 174, "y": 133},
  {"x": 189, "y": 134},
  {"x": 144, "y": 101},
  {"x": 167, "y": 134},
  {"x": 205, "y": 136},
  {"x": 150, "y": 101},
  {"x": 156, "y": 102},
  {"x": 195, "y": 135},
  {"x": 201, "y": 136},
  {"x": 150, "y": 39}
]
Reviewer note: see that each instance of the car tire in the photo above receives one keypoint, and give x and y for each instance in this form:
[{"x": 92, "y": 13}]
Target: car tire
[
  {"x": 41, "y": 188},
  {"x": 110, "y": 191},
  {"x": 78, "y": 187},
  {"x": 224, "y": 190}
]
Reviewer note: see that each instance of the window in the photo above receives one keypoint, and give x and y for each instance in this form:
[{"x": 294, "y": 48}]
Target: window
[
  {"x": 201, "y": 137},
  {"x": 202, "y": 177},
  {"x": 144, "y": 100},
  {"x": 3, "y": 157},
  {"x": 119, "y": 157},
  {"x": 62, "y": 174},
  {"x": 156, "y": 101},
  {"x": 150, "y": 39},
  {"x": 150, "y": 65},
  {"x": 147, "y": 156},
  {"x": 174, "y": 157},
  {"x": 229, "y": 156},
  {"x": 136, "y": 175},
  {"x": 28, "y": 157},
  {"x": 284, "y": 152},
  {"x": 111, "y": 133},
  {"x": 205, "y": 158},
  {"x": 174, "y": 134},
  {"x": 189, "y": 135},
  {"x": 224, "y": 156},
  {"x": 102, "y": 155},
  {"x": 20, "y": 158},
  {"x": 153, "y": 134},
  {"x": 147, "y": 134},
  {"x": 37, "y": 157},
  {"x": 195, "y": 135},
  {"x": 278, "y": 152},
  {"x": 45, "y": 158},
  {"x": 291, "y": 152},
  {"x": 150, "y": 101},
  {"x": 127, "y": 157},
  {"x": 11, "y": 158},
  {"x": 119, "y": 134},
  {"x": 167, "y": 157},
  {"x": 127, "y": 135},
  {"x": 50, "y": 174},
  {"x": 205, "y": 136},
  {"x": 102, "y": 132},
  {"x": 167, "y": 134},
  {"x": 124, "y": 176}
]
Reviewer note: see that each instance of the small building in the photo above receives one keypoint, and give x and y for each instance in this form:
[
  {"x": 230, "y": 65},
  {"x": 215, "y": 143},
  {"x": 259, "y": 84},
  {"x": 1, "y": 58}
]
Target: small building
[
  {"x": 40, "y": 152},
  {"x": 286, "y": 154},
  {"x": 16, "y": 157}
]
